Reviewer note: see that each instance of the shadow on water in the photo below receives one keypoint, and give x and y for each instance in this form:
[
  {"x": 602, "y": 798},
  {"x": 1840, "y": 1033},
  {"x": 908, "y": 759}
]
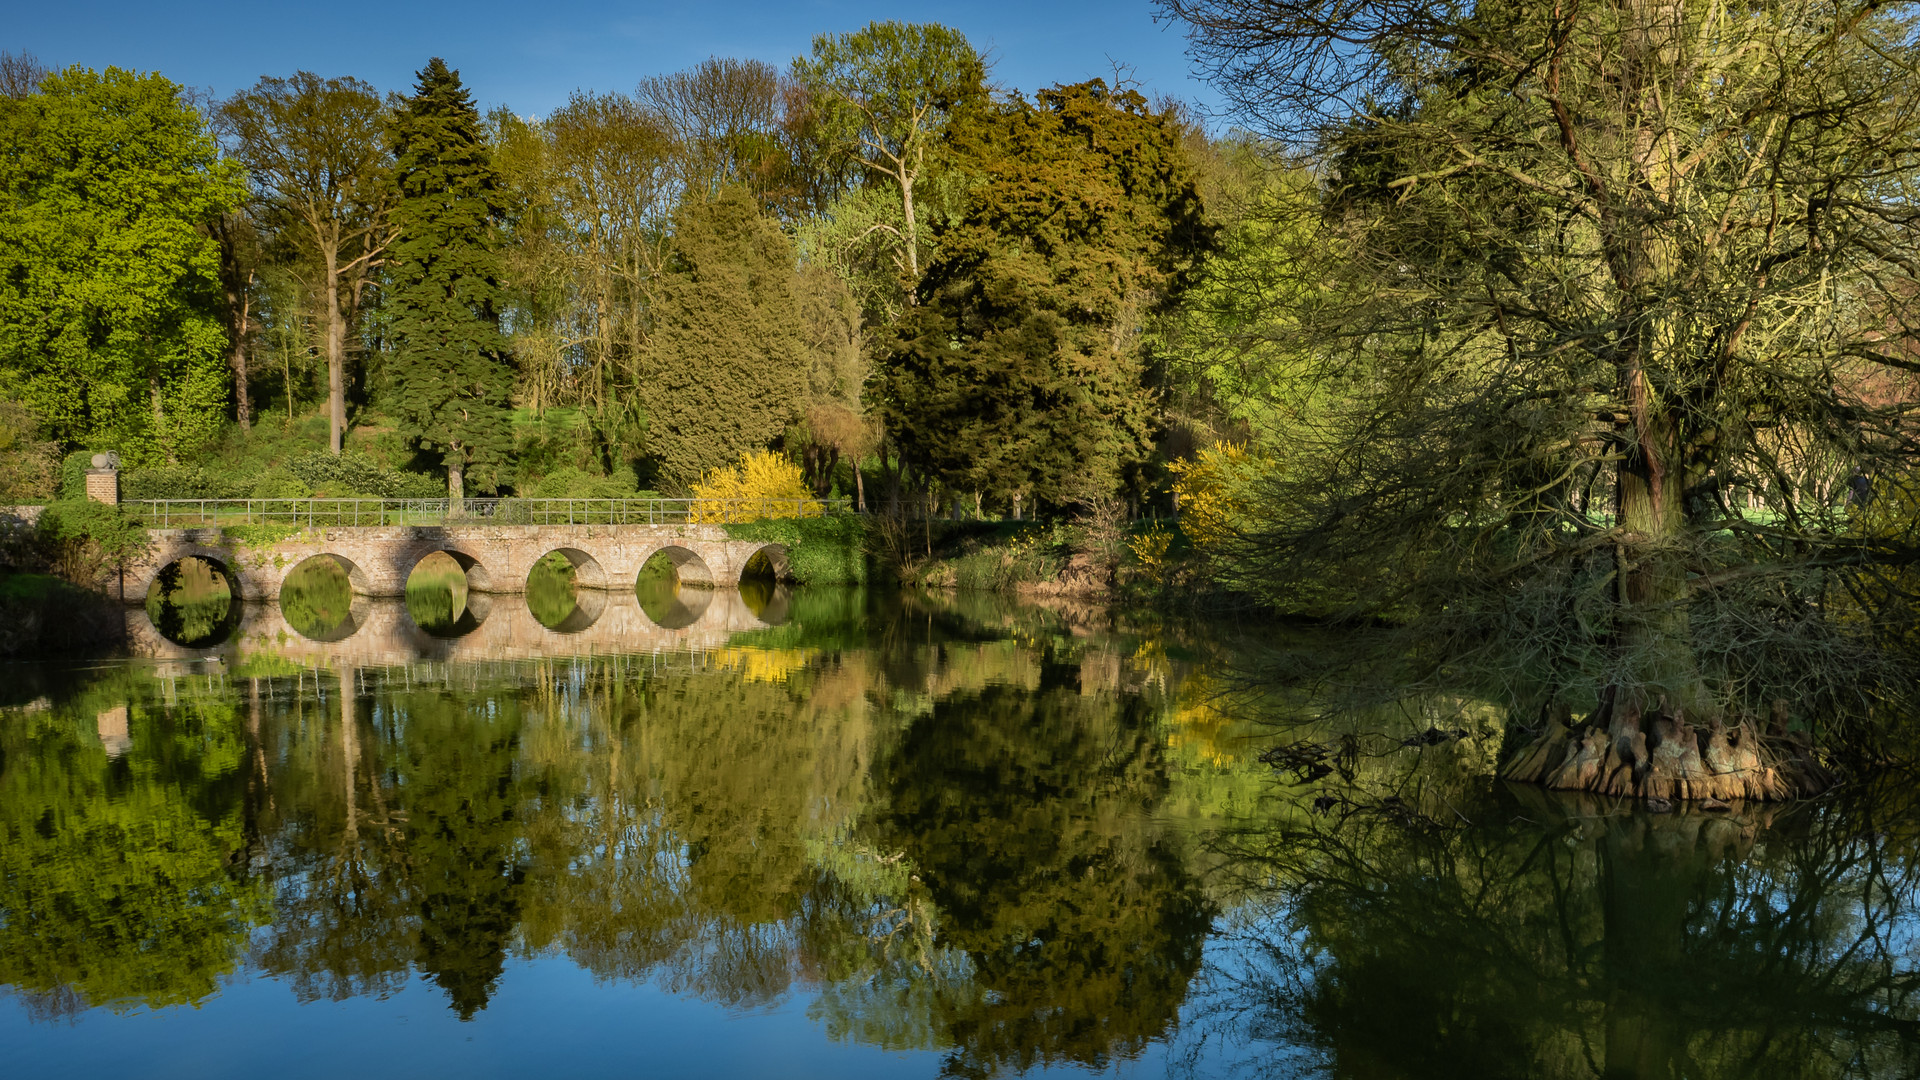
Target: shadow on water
[{"x": 1001, "y": 837}]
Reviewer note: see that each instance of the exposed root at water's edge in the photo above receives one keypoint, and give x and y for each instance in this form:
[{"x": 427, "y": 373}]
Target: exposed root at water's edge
[{"x": 1623, "y": 750}]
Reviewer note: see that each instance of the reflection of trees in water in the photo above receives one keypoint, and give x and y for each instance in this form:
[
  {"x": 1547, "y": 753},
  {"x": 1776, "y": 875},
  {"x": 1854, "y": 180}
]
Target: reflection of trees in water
[
  {"x": 1027, "y": 815},
  {"x": 1576, "y": 939},
  {"x": 121, "y": 877},
  {"x": 190, "y": 602},
  {"x": 552, "y": 591},
  {"x": 994, "y": 884},
  {"x": 317, "y": 599},
  {"x": 456, "y": 767}
]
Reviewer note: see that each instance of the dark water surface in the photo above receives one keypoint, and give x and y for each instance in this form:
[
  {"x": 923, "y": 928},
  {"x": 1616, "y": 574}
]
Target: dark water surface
[{"x": 832, "y": 834}]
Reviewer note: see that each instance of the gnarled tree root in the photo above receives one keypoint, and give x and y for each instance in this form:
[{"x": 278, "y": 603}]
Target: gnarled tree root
[{"x": 1622, "y": 750}]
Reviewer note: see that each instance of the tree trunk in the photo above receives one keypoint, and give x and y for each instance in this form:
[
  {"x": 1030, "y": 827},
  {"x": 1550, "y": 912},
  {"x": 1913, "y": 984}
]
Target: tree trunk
[
  {"x": 456, "y": 480},
  {"x": 913, "y": 232},
  {"x": 859, "y": 488},
  {"x": 336, "y": 355}
]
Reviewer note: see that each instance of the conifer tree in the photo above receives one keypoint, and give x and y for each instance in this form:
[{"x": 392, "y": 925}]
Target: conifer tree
[
  {"x": 729, "y": 367},
  {"x": 451, "y": 378}
]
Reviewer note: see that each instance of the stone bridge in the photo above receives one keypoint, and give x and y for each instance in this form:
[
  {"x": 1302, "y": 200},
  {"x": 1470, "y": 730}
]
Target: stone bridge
[
  {"x": 380, "y": 633},
  {"x": 496, "y": 558}
]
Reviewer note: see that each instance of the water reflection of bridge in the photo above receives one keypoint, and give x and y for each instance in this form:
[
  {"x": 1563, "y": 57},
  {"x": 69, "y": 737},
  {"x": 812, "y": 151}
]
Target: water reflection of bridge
[{"x": 381, "y": 633}]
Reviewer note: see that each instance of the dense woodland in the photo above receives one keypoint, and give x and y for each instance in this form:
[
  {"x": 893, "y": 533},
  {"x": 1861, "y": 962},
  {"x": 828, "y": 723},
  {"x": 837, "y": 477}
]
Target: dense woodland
[
  {"x": 874, "y": 262},
  {"x": 1563, "y": 356}
]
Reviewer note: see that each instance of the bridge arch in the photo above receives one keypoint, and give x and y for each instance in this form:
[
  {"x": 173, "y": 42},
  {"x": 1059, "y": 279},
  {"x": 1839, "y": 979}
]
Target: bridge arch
[
  {"x": 310, "y": 609},
  {"x": 768, "y": 561},
  {"x": 688, "y": 567},
  {"x": 586, "y": 601},
  {"x": 219, "y": 560},
  {"x": 192, "y": 623},
  {"x": 587, "y": 571}
]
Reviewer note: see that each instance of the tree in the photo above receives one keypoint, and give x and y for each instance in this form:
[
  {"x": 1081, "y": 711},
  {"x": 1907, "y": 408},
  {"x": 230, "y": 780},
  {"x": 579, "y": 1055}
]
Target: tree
[
  {"x": 886, "y": 92},
  {"x": 727, "y": 365},
  {"x": 724, "y": 117},
  {"x": 1022, "y": 367},
  {"x": 316, "y": 150},
  {"x": 451, "y": 378},
  {"x": 20, "y": 74},
  {"x": 109, "y": 293},
  {"x": 593, "y": 187},
  {"x": 1614, "y": 295}
]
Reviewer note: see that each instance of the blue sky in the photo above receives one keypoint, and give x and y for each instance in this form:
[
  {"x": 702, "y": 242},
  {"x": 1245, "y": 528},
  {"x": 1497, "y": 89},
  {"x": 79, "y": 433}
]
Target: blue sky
[{"x": 529, "y": 56}]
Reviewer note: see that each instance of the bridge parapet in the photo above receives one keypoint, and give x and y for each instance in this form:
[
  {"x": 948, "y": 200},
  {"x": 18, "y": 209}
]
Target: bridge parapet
[{"x": 497, "y": 558}]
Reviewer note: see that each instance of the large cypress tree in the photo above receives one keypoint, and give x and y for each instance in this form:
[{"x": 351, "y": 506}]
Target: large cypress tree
[
  {"x": 451, "y": 378},
  {"x": 728, "y": 363}
]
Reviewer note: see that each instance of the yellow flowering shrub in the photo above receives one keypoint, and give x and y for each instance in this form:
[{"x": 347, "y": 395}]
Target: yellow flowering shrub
[
  {"x": 1212, "y": 486},
  {"x": 1150, "y": 551},
  {"x": 763, "y": 485}
]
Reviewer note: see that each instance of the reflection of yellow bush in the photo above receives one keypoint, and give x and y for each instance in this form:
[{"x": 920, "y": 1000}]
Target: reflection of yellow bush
[
  {"x": 763, "y": 665},
  {"x": 1211, "y": 486},
  {"x": 770, "y": 485},
  {"x": 1201, "y": 727}
]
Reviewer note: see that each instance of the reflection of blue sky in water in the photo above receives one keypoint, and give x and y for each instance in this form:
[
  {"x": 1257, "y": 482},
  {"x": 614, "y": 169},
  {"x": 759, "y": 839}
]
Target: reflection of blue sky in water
[{"x": 881, "y": 838}]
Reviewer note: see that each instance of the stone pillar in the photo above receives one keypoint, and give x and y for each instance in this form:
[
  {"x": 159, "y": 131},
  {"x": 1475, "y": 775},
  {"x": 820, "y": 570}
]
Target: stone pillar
[{"x": 103, "y": 480}]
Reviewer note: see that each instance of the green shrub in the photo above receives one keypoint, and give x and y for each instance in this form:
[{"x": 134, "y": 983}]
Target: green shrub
[
  {"x": 83, "y": 538},
  {"x": 73, "y": 475},
  {"x": 827, "y": 550},
  {"x": 181, "y": 482},
  {"x": 356, "y": 474},
  {"x": 568, "y": 482},
  {"x": 279, "y": 484}
]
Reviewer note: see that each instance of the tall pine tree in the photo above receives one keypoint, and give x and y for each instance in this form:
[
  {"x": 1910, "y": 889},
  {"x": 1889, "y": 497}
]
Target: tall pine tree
[{"x": 451, "y": 378}]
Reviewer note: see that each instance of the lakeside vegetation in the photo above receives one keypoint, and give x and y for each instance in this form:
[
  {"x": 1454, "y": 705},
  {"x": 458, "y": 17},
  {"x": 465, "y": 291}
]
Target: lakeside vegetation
[{"x": 1580, "y": 384}]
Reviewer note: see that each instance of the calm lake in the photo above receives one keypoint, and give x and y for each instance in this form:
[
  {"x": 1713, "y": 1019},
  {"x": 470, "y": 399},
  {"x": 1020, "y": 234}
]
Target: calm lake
[{"x": 848, "y": 834}]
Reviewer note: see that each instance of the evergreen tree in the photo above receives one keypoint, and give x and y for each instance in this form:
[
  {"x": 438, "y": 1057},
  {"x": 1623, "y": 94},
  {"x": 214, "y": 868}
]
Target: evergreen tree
[
  {"x": 451, "y": 379},
  {"x": 1022, "y": 368},
  {"x": 729, "y": 362}
]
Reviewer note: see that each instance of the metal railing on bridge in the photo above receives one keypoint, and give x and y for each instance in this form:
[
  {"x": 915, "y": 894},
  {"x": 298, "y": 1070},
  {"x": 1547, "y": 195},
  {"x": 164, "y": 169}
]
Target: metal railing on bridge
[{"x": 312, "y": 513}]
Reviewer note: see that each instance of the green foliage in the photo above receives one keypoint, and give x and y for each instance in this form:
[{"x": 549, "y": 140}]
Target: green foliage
[
  {"x": 117, "y": 877},
  {"x": 354, "y": 473},
  {"x": 110, "y": 318},
  {"x": 1022, "y": 369},
  {"x": 829, "y": 550},
  {"x": 466, "y": 865},
  {"x": 451, "y": 381},
  {"x": 73, "y": 474},
  {"x": 1083, "y": 923},
  {"x": 570, "y": 482},
  {"x": 315, "y": 149},
  {"x": 728, "y": 362},
  {"x": 165, "y": 481},
  {"x": 29, "y": 465},
  {"x": 86, "y": 537},
  {"x": 553, "y": 594},
  {"x": 884, "y": 94}
]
